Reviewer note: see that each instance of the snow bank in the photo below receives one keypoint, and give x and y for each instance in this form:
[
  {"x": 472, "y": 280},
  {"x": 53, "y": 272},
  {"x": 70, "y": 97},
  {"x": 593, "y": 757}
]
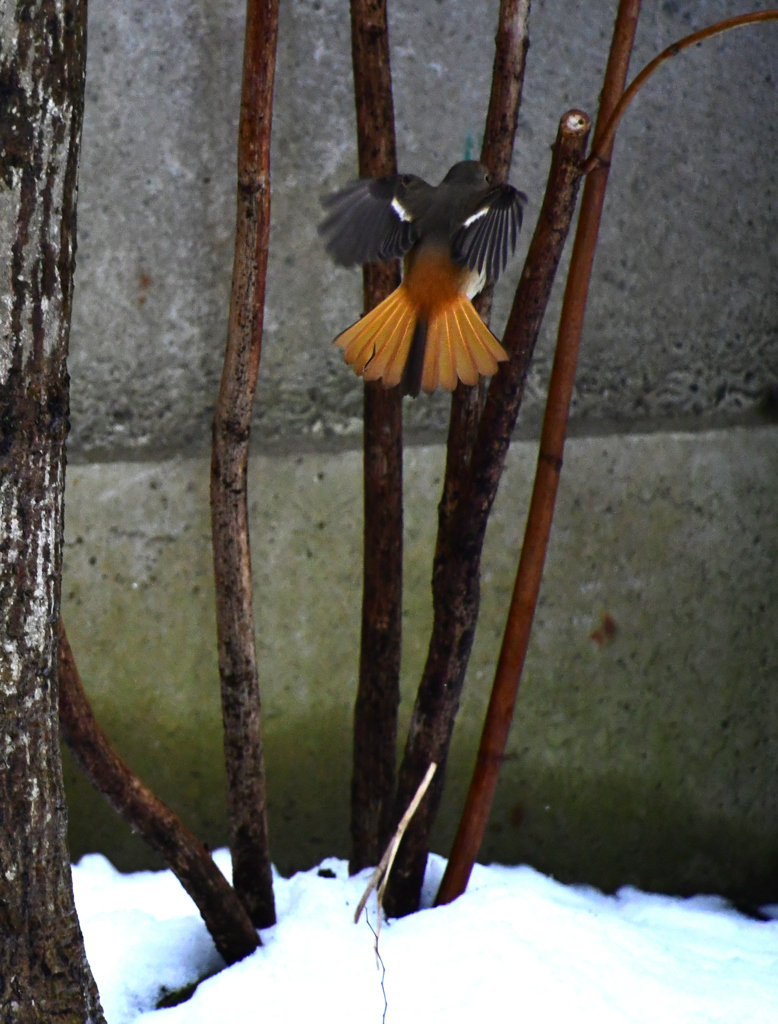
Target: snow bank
[{"x": 517, "y": 945}]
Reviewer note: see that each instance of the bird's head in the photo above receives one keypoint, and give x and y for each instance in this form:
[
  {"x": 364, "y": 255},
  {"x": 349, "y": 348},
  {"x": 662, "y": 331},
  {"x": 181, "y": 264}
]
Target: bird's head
[{"x": 468, "y": 172}]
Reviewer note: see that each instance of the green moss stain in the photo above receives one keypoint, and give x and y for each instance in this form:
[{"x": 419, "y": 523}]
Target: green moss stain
[{"x": 642, "y": 751}]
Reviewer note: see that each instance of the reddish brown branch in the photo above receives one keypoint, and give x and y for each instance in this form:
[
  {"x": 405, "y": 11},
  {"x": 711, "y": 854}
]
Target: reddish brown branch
[
  {"x": 525, "y": 594},
  {"x": 605, "y": 139},
  {"x": 229, "y": 465},
  {"x": 378, "y": 692},
  {"x": 457, "y": 585},
  {"x": 222, "y": 911}
]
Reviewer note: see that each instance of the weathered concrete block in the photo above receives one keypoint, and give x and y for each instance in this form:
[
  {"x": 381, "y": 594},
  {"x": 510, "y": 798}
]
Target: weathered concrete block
[
  {"x": 646, "y": 731},
  {"x": 683, "y": 310},
  {"x": 643, "y": 748}
]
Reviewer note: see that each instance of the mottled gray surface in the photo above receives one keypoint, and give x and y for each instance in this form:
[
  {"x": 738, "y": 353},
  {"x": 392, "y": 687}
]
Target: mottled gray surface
[
  {"x": 645, "y": 756},
  {"x": 683, "y": 319},
  {"x": 643, "y": 753}
]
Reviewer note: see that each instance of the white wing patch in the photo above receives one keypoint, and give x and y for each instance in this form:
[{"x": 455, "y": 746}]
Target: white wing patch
[
  {"x": 475, "y": 283},
  {"x": 400, "y": 210},
  {"x": 476, "y": 216}
]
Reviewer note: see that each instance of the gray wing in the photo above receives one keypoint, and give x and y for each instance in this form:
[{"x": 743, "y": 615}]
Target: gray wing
[
  {"x": 488, "y": 237},
  {"x": 373, "y": 218}
]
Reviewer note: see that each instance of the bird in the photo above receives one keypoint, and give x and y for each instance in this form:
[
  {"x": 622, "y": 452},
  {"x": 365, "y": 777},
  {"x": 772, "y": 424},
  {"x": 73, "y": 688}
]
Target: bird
[{"x": 454, "y": 238}]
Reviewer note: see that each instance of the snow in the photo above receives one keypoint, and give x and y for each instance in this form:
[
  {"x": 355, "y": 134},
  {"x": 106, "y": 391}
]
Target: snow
[{"x": 517, "y": 945}]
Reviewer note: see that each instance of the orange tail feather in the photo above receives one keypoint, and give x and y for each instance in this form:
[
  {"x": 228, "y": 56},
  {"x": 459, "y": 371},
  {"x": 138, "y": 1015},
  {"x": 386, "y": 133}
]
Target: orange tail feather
[
  {"x": 459, "y": 346},
  {"x": 380, "y": 337},
  {"x": 430, "y": 373},
  {"x": 486, "y": 349}
]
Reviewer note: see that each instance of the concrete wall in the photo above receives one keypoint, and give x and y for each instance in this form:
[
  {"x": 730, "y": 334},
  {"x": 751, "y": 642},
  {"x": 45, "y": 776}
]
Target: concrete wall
[
  {"x": 642, "y": 753},
  {"x": 683, "y": 314},
  {"x": 647, "y": 756}
]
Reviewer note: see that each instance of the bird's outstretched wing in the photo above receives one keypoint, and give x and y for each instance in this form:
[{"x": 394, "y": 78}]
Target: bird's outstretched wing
[
  {"x": 374, "y": 218},
  {"x": 488, "y": 236}
]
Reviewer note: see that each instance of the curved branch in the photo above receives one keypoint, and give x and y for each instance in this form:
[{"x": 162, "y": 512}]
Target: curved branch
[
  {"x": 219, "y": 906},
  {"x": 604, "y": 140},
  {"x": 241, "y": 708}
]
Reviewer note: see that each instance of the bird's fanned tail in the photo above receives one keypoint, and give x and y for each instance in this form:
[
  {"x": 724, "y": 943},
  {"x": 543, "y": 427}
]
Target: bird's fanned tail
[
  {"x": 377, "y": 345},
  {"x": 459, "y": 346}
]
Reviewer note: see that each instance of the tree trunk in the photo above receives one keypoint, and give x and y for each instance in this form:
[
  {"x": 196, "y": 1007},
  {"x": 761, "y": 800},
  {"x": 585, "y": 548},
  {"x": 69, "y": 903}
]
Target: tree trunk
[{"x": 44, "y": 975}]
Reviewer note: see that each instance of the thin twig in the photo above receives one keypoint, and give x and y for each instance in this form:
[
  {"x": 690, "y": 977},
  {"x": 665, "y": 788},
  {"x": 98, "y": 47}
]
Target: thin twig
[
  {"x": 378, "y": 691},
  {"x": 516, "y": 638},
  {"x": 221, "y": 910},
  {"x": 604, "y": 141},
  {"x": 243, "y": 747},
  {"x": 511, "y": 43},
  {"x": 380, "y": 876}
]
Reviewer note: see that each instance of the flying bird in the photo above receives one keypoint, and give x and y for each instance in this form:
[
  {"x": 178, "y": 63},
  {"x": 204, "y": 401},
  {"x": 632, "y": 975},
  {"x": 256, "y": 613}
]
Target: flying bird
[{"x": 455, "y": 238}]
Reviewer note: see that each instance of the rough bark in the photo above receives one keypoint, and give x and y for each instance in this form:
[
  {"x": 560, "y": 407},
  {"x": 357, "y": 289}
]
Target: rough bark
[
  {"x": 378, "y": 691},
  {"x": 243, "y": 747},
  {"x": 549, "y": 467},
  {"x": 491, "y": 448},
  {"x": 44, "y": 975},
  {"x": 456, "y": 589},
  {"x": 224, "y": 915},
  {"x": 511, "y": 45}
]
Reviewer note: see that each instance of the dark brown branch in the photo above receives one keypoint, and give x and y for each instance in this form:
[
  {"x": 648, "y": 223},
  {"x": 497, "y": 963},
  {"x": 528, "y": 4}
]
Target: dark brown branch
[
  {"x": 456, "y": 589},
  {"x": 510, "y": 55},
  {"x": 378, "y": 692},
  {"x": 229, "y": 466},
  {"x": 605, "y": 140},
  {"x": 221, "y": 910},
  {"x": 511, "y": 43},
  {"x": 525, "y": 594}
]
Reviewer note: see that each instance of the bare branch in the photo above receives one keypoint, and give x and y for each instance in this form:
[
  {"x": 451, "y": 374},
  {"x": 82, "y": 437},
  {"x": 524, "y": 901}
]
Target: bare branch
[
  {"x": 604, "y": 141},
  {"x": 378, "y": 692},
  {"x": 221, "y": 910},
  {"x": 510, "y": 56},
  {"x": 457, "y": 579},
  {"x": 243, "y": 748},
  {"x": 525, "y": 594}
]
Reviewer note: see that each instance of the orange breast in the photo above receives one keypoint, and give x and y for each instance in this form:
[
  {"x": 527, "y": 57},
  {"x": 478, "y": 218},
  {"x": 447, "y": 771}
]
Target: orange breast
[{"x": 432, "y": 281}]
